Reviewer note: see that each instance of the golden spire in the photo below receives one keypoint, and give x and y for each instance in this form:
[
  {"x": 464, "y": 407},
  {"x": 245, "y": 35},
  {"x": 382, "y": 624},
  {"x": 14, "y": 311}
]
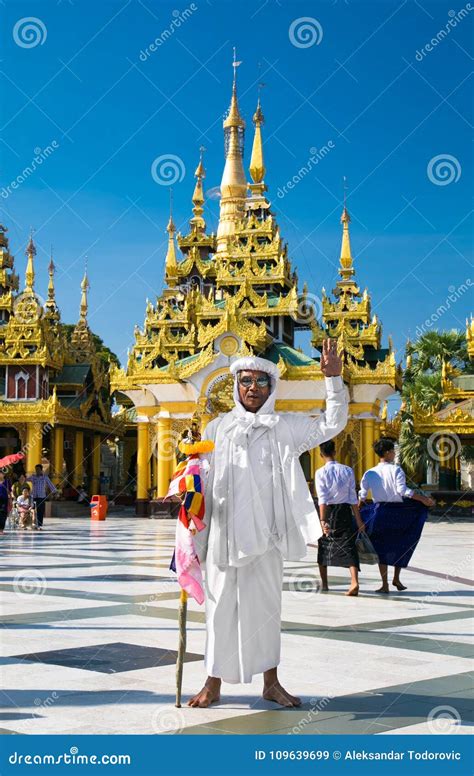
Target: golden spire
[
  {"x": 346, "y": 269},
  {"x": 233, "y": 183},
  {"x": 84, "y": 288},
  {"x": 198, "y": 195},
  {"x": 30, "y": 269},
  {"x": 50, "y": 304},
  {"x": 170, "y": 261},
  {"x": 257, "y": 166},
  {"x": 233, "y": 118}
]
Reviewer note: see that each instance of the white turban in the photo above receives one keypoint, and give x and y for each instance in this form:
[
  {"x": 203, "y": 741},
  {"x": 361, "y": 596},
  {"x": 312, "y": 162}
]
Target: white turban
[{"x": 257, "y": 364}]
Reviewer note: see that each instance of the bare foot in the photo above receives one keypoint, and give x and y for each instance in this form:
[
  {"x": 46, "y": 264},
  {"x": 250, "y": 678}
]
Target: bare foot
[
  {"x": 210, "y": 693},
  {"x": 399, "y": 585},
  {"x": 278, "y": 694},
  {"x": 353, "y": 590},
  {"x": 383, "y": 589}
]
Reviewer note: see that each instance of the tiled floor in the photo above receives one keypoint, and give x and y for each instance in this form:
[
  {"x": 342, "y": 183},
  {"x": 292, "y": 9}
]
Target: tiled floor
[{"x": 89, "y": 639}]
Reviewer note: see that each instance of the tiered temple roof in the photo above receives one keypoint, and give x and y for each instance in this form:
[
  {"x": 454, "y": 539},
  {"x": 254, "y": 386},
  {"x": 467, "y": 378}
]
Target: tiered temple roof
[
  {"x": 348, "y": 318},
  {"x": 32, "y": 337},
  {"x": 236, "y": 292}
]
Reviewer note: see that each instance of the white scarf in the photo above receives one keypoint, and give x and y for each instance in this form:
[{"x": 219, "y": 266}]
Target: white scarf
[{"x": 238, "y": 533}]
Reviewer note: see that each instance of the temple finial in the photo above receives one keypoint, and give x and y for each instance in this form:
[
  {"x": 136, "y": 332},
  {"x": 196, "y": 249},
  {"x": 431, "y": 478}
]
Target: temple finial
[
  {"x": 170, "y": 261},
  {"x": 171, "y": 227},
  {"x": 346, "y": 269},
  {"x": 50, "y": 304},
  {"x": 198, "y": 195},
  {"x": 233, "y": 183},
  {"x": 30, "y": 266},
  {"x": 85, "y": 285},
  {"x": 257, "y": 165}
]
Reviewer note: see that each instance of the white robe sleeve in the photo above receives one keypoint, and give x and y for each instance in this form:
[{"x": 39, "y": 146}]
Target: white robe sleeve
[{"x": 310, "y": 432}]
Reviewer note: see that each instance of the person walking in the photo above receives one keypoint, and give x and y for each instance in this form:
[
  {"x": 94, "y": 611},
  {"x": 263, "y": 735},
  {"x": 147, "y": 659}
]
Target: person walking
[
  {"x": 395, "y": 520},
  {"x": 337, "y": 502},
  {"x": 42, "y": 487}
]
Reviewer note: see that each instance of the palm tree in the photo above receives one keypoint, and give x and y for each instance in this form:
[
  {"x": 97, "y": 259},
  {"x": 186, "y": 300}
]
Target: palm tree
[{"x": 422, "y": 384}]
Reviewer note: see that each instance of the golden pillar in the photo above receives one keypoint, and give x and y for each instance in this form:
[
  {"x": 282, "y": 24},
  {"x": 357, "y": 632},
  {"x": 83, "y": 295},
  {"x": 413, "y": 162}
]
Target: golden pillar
[
  {"x": 95, "y": 484},
  {"x": 78, "y": 473},
  {"x": 143, "y": 461},
  {"x": 166, "y": 454},
  {"x": 377, "y": 434},
  {"x": 34, "y": 437},
  {"x": 154, "y": 462},
  {"x": 58, "y": 454},
  {"x": 368, "y": 433}
]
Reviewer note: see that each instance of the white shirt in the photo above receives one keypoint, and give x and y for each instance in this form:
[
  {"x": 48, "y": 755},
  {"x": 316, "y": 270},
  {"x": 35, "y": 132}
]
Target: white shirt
[
  {"x": 387, "y": 483},
  {"x": 335, "y": 484}
]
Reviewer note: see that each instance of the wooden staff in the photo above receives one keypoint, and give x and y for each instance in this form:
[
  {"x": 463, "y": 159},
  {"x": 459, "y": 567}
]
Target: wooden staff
[{"x": 183, "y": 607}]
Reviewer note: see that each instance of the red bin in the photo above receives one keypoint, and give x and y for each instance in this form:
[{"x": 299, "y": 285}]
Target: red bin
[{"x": 98, "y": 507}]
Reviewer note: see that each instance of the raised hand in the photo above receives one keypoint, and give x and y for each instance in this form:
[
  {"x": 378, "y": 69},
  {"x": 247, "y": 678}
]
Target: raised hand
[{"x": 331, "y": 363}]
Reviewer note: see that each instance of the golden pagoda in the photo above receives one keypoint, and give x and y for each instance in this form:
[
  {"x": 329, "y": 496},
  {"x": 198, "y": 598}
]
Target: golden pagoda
[
  {"x": 235, "y": 293},
  {"x": 54, "y": 388}
]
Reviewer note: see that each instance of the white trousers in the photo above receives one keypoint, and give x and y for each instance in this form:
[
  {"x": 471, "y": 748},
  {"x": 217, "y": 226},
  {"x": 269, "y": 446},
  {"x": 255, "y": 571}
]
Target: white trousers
[{"x": 243, "y": 617}]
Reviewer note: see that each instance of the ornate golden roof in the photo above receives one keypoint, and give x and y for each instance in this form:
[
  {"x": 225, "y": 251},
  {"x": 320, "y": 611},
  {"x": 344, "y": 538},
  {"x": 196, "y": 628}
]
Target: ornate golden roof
[
  {"x": 34, "y": 335},
  {"x": 348, "y": 318}
]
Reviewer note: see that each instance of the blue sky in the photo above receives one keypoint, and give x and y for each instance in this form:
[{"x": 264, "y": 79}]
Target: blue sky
[{"x": 354, "y": 78}]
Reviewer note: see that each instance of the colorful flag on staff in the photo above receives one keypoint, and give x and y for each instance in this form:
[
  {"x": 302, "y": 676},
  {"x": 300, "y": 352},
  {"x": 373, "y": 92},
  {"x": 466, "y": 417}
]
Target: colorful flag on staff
[{"x": 187, "y": 483}]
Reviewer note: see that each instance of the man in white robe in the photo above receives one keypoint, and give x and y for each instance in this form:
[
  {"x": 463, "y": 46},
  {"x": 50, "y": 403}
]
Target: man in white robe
[{"x": 259, "y": 512}]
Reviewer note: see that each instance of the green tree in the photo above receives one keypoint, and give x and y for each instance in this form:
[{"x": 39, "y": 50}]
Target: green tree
[{"x": 422, "y": 384}]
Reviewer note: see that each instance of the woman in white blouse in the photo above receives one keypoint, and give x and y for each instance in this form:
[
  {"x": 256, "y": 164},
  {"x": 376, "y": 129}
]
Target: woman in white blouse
[
  {"x": 387, "y": 483},
  {"x": 337, "y": 501}
]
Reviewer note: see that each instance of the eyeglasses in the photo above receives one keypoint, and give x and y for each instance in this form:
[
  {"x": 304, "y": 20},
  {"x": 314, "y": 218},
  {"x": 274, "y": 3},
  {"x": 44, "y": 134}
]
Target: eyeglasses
[{"x": 260, "y": 382}]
